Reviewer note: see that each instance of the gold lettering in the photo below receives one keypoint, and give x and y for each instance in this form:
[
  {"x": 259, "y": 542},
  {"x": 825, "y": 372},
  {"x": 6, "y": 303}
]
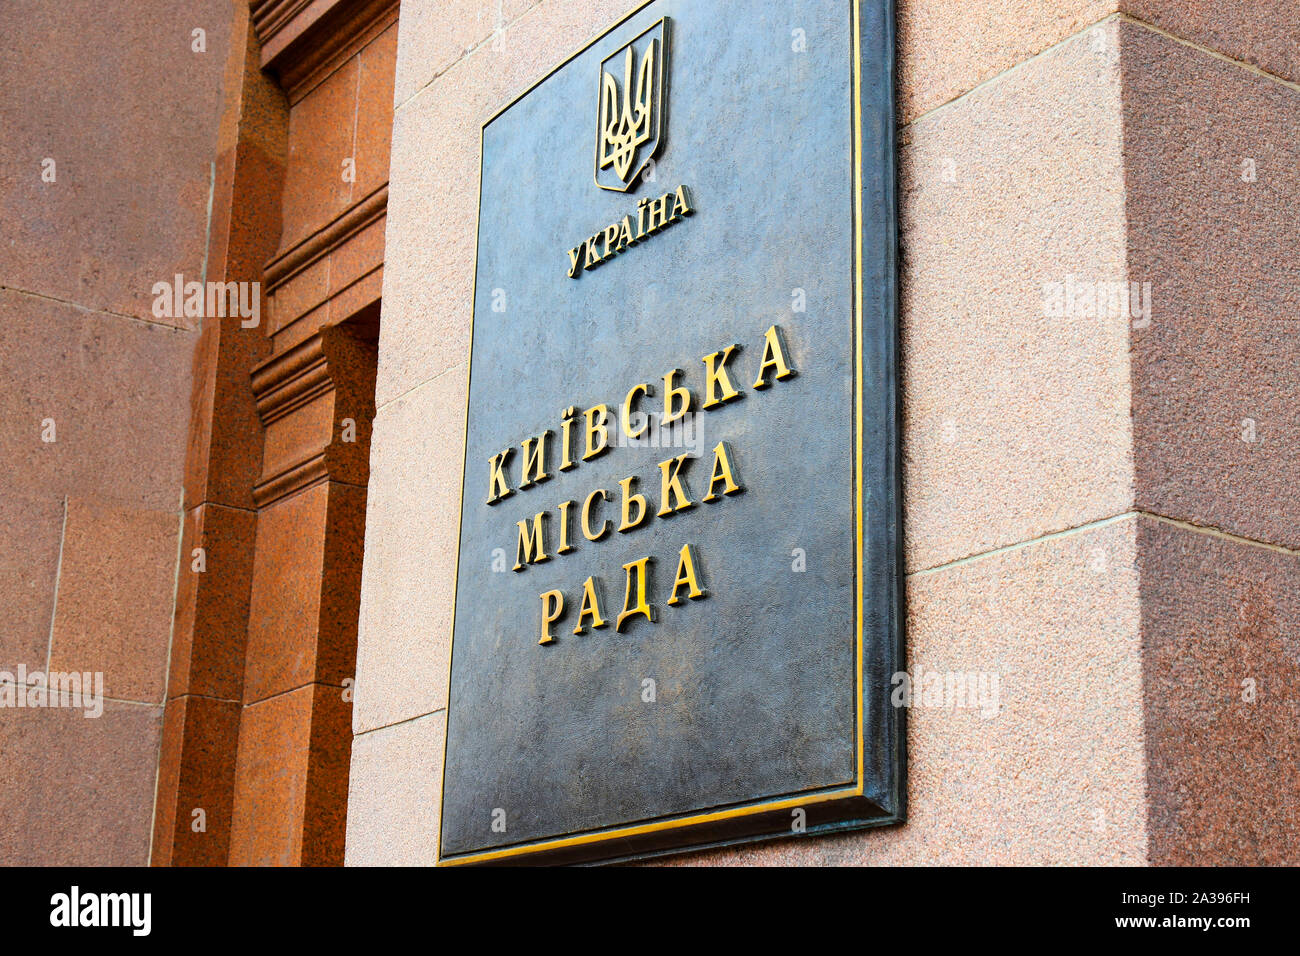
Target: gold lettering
[
  {"x": 565, "y": 547},
  {"x": 715, "y": 372},
  {"x": 722, "y": 472},
  {"x": 773, "y": 358},
  {"x": 652, "y": 215},
  {"x": 531, "y": 548},
  {"x": 566, "y": 444},
  {"x": 671, "y": 487},
  {"x": 498, "y": 479},
  {"x": 611, "y": 237},
  {"x": 630, "y": 498},
  {"x": 641, "y": 570},
  {"x": 590, "y": 607},
  {"x": 628, "y": 411},
  {"x": 659, "y": 216},
  {"x": 535, "y": 460},
  {"x": 686, "y": 578},
  {"x": 575, "y": 261},
  {"x": 552, "y": 608},
  {"x": 586, "y": 516},
  {"x": 597, "y": 424},
  {"x": 684, "y": 207},
  {"x": 677, "y": 398},
  {"x": 626, "y": 237}
]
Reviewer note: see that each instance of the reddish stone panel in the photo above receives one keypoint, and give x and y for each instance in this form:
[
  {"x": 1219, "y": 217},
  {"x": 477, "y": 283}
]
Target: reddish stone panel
[
  {"x": 304, "y": 327},
  {"x": 223, "y": 463},
  {"x": 374, "y": 133},
  {"x": 332, "y": 246},
  {"x": 77, "y": 790},
  {"x": 317, "y": 404},
  {"x": 302, "y": 433},
  {"x": 336, "y": 642},
  {"x": 321, "y": 137},
  {"x": 271, "y": 780},
  {"x": 306, "y": 590},
  {"x": 339, "y": 265},
  {"x": 117, "y": 96},
  {"x": 202, "y": 387},
  {"x": 224, "y": 451},
  {"x": 292, "y": 780},
  {"x": 361, "y": 253},
  {"x": 353, "y": 363},
  {"x": 114, "y": 389},
  {"x": 305, "y": 598},
  {"x": 31, "y": 531},
  {"x": 114, "y": 605},
  {"x": 250, "y": 165},
  {"x": 1264, "y": 33},
  {"x": 207, "y": 655},
  {"x": 279, "y": 31},
  {"x": 302, "y": 41},
  {"x": 196, "y": 772},
  {"x": 224, "y": 454},
  {"x": 254, "y": 216},
  {"x": 1213, "y": 214},
  {"x": 1221, "y": 675},
  {"x": 284, "y": 614},
  {"x": 326, "y": 810},
  {"x": 356, "y": 280}
]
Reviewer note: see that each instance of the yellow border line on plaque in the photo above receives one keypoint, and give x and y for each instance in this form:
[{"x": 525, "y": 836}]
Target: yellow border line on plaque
[
  {"x": 857, "y": 368},
  {"x": 603, "y": 836}
]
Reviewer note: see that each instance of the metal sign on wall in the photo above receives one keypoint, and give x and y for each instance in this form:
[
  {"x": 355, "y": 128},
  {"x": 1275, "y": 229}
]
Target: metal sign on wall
[{"x": 677, "y": 594}]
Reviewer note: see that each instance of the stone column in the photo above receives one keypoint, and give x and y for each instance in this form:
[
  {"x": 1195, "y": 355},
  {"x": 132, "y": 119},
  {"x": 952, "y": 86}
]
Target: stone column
[
  {"x": 205, "y": 684},
  {"x": 257, "y": 726},
  {"x": 315, "y": 402}
]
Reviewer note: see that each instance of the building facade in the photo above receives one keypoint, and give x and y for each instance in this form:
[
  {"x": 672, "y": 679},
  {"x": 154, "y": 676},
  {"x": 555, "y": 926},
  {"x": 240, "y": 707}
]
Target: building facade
[{"x": 242, "y": 527}]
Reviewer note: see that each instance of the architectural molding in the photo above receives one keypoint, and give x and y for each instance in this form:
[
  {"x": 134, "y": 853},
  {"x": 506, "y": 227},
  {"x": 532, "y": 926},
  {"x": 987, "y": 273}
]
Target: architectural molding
[
  {"x": 286, "y": 382},
  {"x": 321, "y": 243},
  {"x": 303, "y": 41},
  {"x": 302, "y": 395}
]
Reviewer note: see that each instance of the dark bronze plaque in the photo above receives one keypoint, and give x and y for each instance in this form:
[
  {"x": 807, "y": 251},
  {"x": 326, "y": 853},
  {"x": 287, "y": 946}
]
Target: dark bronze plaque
[{"x": 677, "y": 595}]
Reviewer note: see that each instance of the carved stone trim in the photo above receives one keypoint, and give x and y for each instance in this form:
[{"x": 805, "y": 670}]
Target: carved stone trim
[
  {"x": 303, "y": 41},
  {"x": 286, "y": 382},
  {"x": 308, "y": 474},
  {"x": 320, "y": 244},
  {"x": 335, "y": 370}
]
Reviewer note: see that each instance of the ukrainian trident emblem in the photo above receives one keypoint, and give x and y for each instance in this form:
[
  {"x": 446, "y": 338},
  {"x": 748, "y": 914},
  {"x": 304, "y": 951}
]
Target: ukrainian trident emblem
[{"x": 630, "y": 123}]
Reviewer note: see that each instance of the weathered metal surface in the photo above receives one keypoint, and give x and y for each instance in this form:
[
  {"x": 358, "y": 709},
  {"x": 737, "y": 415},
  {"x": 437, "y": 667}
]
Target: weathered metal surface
[{"x": 770, "y": 693}]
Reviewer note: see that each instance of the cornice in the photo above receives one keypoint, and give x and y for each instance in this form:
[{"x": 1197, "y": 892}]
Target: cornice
[
  {"x": 334, "y": 367},
  {"x": 303, "y": 41}
]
